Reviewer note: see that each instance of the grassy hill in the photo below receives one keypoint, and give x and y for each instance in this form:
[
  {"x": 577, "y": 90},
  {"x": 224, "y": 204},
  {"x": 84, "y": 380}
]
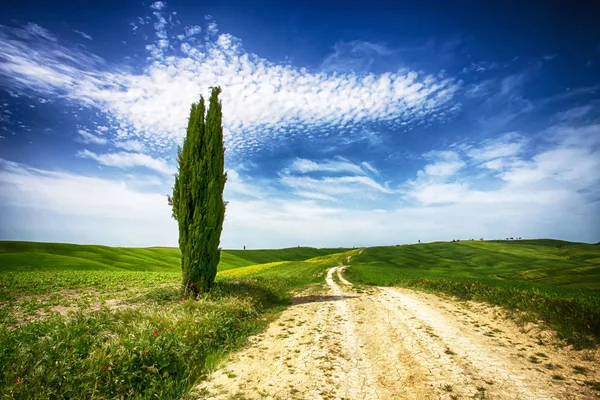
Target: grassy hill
[
  {"x": 550, "y": 280},
  {"x": 156, "y": 344},
  {"x": 37, "y": 256},
  {"x": 61, "y": 335},
  {"x": 545, "y": 261}
]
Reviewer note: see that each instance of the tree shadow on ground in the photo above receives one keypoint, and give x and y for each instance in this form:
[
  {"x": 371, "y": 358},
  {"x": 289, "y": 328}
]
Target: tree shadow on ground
[{"x": 319, "y": 299}]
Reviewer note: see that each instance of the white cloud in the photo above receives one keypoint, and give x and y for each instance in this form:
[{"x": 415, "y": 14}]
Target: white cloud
[
  {"x": 508, "y": 145},
  {"x": 439, "y": 193},
  {"x": 569, "y": 168},
  {"x": 128, "y": 160},
  {"x": 74, "y": 194},
  {"x": 446, "y": 163},
  {"x": 339, "y": 179},
  {"x": 574, "y": 113},
  {"x": 315, "y": 196},
  {"x": 236, "y": 186},
  {"x": 261, "y": 100},
  {"x": 585, "y": 136},
  {"x": 36, "y": 30},
  {"x": 192, "y": 30},
  {"x": 87, "y": 137},
  {"x": 366, "y": 165},
  {"x": 513, "y": 82},
  {"x": 357, "y": 186},
  {"x": 564, "y": 172},
  {"x": 57, "y": 206},
  {"x": 158, "y": 5},
  {"x": 339, "y": 165},
  {"x": 354, "y": 56},
  {"x": 130, "y": 145},
  {"x": 82, "y": 34},
  {"x": 443, "y": 168}
]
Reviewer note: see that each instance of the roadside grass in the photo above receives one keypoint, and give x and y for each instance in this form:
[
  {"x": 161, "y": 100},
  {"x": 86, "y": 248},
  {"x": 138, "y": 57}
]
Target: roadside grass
[
  {"x": 556, "y": 282},
  {"x": 158, "y": 349},
  {"x": 158, "y": 345}
]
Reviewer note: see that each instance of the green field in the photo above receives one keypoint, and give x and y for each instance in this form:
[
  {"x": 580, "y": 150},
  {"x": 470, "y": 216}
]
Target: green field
[
  {"x": 36, "y": 256},
  {"x": 550, "y": 262},
  {"x": 554, "y": 280},
  {"x": 33, "y": 268},
  {"x": 82, "y": 321}
]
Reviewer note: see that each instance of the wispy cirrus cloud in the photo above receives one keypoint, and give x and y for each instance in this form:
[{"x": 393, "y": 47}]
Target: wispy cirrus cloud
[
  {"x": 36, "y": 30},
  {"x": 339, "y": 164},
  {"x": 82, "y": 34},
  {"x": 354, "y": 56},
  {"x": 338, "y": 179},
  {"x": 261, "y": 100},
  {"x": 507, "y": 145},
  {"x": 88, "y": 137},
  {"x": 127, "y": 160}
]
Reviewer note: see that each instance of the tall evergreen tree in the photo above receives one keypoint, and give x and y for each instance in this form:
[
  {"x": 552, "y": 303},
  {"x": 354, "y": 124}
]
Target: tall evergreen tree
[{"x": 197, "y": 199}]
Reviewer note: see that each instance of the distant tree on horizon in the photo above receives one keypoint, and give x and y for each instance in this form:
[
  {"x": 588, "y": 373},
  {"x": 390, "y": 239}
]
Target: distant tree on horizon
[{"x": 197, "y": 200}]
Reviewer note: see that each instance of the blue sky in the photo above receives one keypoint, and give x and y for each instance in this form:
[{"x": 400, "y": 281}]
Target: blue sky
[{"x": 346, "y": 124}]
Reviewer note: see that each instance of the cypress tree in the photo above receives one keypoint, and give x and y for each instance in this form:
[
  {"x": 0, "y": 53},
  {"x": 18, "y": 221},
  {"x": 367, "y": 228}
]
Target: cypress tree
[{"x": 197, "y": 199}]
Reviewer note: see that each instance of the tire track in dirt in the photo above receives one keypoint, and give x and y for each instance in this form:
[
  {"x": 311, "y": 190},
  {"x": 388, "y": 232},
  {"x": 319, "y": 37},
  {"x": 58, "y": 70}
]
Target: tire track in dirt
[{"x": 391, "y": 343}]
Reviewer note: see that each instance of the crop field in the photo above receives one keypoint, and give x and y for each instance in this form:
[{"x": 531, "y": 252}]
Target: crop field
[
  {"x": 101, "y": 322},
  {"x": 555, "y": 280}
]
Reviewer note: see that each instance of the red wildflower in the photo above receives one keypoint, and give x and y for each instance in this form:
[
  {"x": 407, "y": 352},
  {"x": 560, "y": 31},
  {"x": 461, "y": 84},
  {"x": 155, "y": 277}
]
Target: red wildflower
[
  {"x": 104, "y": 368},
  {"x": 145, "y": 352},
  {"x": 155, "y": 333},
  {"x": 170, "y": 329},
  {"x": 18, "y": 380},
  {"x": 589, "y": 325}
]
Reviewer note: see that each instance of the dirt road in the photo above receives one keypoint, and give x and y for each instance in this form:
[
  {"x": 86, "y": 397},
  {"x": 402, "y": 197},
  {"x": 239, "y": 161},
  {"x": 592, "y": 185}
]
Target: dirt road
[{"x": 390, "y": 343}]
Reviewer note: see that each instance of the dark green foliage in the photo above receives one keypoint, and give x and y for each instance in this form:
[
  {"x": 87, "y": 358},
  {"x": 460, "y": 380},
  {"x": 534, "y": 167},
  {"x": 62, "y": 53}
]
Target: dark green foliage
[{"x": 197, "y": 198}]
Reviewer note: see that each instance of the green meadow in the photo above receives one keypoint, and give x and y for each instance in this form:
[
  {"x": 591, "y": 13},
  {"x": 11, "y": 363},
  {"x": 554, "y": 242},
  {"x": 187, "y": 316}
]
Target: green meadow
[
  {"x": 83, "y": 321},
  {"x": 554, "y": 281}
]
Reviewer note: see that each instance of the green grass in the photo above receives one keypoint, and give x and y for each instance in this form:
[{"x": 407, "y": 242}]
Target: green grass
[
  {"x": 33, "y": 268},
  {"x": 38, "y": 256},
  {"x": 556, "y": 281},
  {"x": 156, "y": 344},
  {"x": 289, "y": 254}
]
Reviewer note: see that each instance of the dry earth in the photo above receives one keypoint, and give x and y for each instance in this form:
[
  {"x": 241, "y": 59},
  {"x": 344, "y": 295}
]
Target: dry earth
[{"x": 390, "y": 343}]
